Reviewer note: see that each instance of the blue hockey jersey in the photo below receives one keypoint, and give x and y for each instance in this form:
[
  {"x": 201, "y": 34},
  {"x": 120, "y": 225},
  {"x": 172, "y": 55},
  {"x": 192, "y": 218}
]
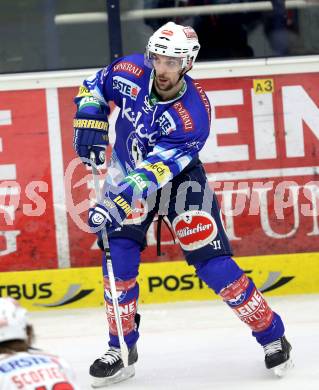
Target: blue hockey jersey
[{"x": 155, "y": 140}]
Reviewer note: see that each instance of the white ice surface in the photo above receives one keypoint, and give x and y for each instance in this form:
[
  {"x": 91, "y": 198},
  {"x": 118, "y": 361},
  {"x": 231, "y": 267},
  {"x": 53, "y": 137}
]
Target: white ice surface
[{"x": 190, "y": 345}]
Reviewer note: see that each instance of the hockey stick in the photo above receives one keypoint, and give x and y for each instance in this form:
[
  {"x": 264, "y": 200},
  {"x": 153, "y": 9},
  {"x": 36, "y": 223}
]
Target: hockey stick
[{"x": 109, "y": 266}]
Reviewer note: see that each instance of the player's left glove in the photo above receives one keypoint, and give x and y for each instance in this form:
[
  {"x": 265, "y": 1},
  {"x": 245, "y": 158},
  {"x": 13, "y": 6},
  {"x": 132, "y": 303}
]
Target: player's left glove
[{"x": 109, "y": 214}]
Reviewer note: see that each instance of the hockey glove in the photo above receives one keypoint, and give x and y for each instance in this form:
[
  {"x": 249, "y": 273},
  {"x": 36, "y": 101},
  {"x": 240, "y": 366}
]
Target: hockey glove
[
  {"x": 90, "y": 135},
  {"x": 110, "y": 214}
]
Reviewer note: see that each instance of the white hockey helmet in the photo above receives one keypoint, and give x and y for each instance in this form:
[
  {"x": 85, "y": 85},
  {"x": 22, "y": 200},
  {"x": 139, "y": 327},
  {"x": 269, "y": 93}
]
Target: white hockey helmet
[
  {"x": 13, "y": 320},
  {"x": 174, "y": 40}
]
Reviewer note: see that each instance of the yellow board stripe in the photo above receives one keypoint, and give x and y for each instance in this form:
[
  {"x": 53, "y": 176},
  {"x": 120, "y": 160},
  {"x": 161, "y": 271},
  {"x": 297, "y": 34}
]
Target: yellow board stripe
[{"x": 159, "y": 282}]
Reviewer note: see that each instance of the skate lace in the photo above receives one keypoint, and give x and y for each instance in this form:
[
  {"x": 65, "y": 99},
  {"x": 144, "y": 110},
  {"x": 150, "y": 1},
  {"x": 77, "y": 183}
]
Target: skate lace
[
  {"x": 111, "y": 356},
  {"x": 273, "y": 347}
]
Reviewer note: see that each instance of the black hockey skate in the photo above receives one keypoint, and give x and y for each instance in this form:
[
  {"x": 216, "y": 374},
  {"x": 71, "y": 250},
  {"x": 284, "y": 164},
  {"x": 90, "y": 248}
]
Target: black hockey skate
[
  {"x": 109, "y": 368},
  {"x": 277, "y": 356}
]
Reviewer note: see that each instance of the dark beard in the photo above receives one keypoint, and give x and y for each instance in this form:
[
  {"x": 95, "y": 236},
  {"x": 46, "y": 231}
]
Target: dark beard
[{"x": 167, "y": 88}]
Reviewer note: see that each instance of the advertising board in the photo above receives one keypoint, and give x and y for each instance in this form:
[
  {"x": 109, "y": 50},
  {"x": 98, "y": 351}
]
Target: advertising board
[{"x": 262, "y": 160}]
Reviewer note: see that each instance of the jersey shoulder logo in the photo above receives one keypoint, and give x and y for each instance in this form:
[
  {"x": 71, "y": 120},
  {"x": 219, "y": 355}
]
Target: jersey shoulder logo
[
  {"x": 128, "y": 67},
  {"x": 185, "y": 116},
  {"x": 204, "y": 98}
]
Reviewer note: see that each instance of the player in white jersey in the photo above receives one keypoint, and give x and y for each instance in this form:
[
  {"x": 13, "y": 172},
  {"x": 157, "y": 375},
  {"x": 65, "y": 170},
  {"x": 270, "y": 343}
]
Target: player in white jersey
[{"x": 21, "y": 366}]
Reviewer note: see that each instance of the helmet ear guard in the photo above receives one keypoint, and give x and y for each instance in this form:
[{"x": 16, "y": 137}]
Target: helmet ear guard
[{"x": 174, "y": 40}]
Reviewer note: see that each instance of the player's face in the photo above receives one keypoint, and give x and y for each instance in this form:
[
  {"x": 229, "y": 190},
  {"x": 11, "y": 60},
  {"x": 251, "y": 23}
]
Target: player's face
[{"x": 167, "y": 70}]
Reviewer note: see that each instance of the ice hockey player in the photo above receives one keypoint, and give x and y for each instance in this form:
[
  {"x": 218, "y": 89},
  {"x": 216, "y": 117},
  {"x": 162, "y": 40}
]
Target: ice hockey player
[
  {"x": 21, "y": 366},
  {"x": 163, "y": 123}
]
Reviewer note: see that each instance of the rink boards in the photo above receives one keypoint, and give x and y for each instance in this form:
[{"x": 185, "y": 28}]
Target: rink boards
[
  {"x": 159, "y": 283},
  {"x": 261, "y": 160}
]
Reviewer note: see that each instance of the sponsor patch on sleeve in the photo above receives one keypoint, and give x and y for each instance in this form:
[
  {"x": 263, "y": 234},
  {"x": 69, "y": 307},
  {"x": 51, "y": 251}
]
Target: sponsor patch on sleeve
[
  {"x": 83, "y": 91},
  {"x": 138, "y": 180},
  {"x": 160, "y": 171},
  {"x": 88, "y": 101}
]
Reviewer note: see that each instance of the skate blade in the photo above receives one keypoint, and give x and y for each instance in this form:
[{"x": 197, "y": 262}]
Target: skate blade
[
  {"x": 121, "y": 375},
  {"x": 281, "y": 370}
]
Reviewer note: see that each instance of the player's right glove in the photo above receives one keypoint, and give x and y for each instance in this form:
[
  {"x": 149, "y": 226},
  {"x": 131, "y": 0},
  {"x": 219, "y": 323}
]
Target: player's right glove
[{"x": 90, "y": 135}]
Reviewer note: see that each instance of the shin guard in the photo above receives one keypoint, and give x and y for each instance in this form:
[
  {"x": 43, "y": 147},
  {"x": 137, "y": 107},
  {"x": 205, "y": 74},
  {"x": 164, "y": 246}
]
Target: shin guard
[
  {"x": 248, "y": 304},
  {"x": 127, "y": 294},
  {"x": 224, "y": 276},
  {"x": 125, "y": 259}
]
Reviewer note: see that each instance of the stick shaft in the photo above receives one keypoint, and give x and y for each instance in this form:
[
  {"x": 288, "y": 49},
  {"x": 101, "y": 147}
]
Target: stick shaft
[{"x": 109, "y": 266}]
